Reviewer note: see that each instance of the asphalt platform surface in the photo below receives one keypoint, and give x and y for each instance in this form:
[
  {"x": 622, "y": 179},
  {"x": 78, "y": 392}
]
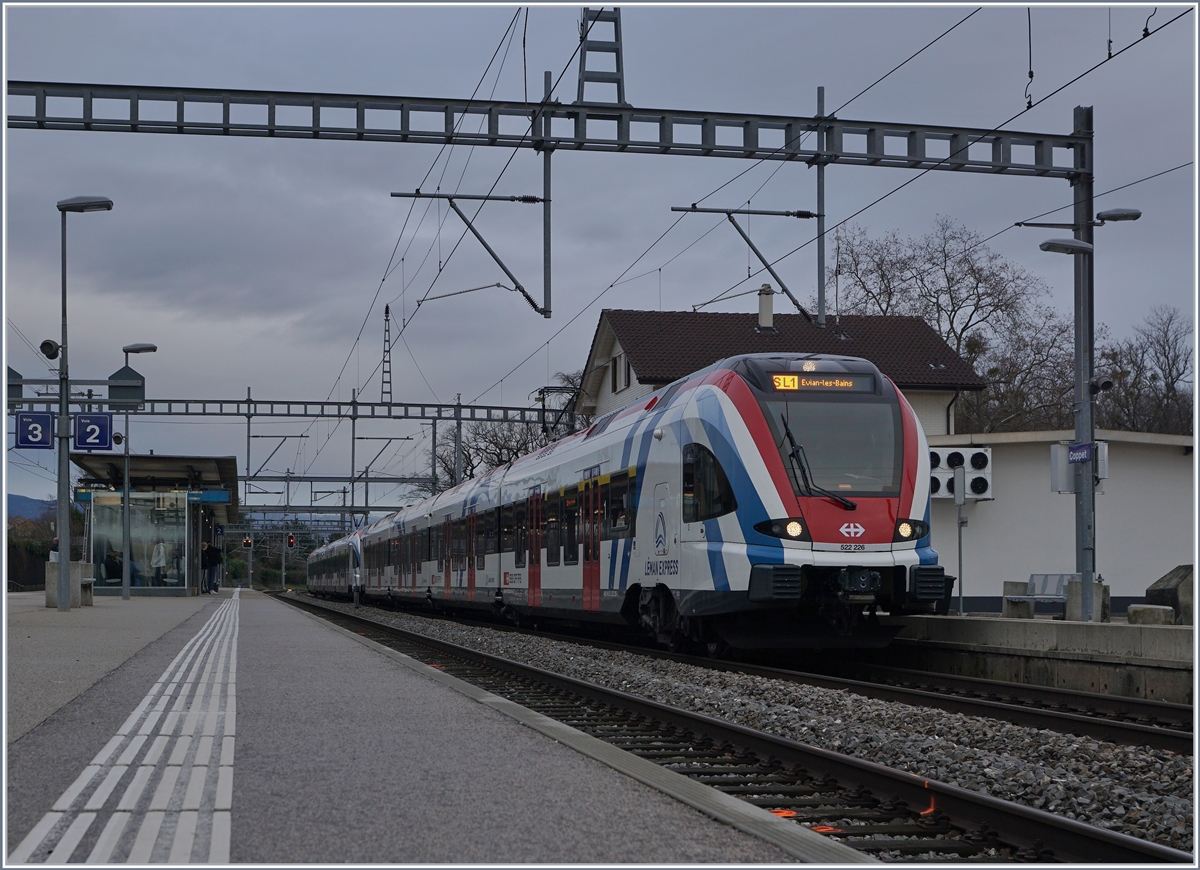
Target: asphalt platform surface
[{"x": 342, "y": 753}]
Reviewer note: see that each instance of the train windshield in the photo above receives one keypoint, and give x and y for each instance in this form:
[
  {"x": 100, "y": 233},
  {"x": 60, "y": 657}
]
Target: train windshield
[{"x": 849, "y": 445}]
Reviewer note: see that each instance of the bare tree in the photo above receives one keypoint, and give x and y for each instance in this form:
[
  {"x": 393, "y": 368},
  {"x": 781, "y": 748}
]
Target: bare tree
[
  {"x": 488, "y": 446},
  {"x": 987, "y": 309},
  {"x": 1153, "y": 377}
]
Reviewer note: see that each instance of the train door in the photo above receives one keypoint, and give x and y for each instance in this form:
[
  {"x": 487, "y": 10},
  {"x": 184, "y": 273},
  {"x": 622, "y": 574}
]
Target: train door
[
  {"x": 446, "y": 557},
  {"x": 470, "y": 547},
  {"x": 533, "y": 513},
  {"x": 591, "y": 545},
  {"x": 666, "y": 527}
]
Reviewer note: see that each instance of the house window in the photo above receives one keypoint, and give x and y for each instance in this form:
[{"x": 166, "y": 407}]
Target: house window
[{"x": 620, "y": 374}]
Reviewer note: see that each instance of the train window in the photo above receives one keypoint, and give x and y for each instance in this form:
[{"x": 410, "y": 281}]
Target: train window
[
  {"x": 553, "y": 545},
  {"x": 619, "y": 507},
  {"x": 520, "y": 533},
  {"x": 570, "y": 526},
  {"x": 506, "y": 529},
  {"x": 706, "y": 490}
]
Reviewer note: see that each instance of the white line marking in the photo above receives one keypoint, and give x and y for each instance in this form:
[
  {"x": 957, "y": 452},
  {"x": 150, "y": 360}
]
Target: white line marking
[
  {"x": 109, "y": 837},
  {"x": 224, "y": 789},
  {"x": 185, "y": 836},
  {"x": 148, "y": 725},
  {"x": 33, "y": 839},
  {"x": 100, "y": 795},
  {"x": 179, "y": 753},
  {"x": 156, "y": 749},
  {"x": 132, "y": 750},
  {"x": 147, "y": 836},
  {"x": 203, "y": 752},
  {"x": 166, "y": 789},
  {"x": 195, "y": 788},
  {"x": 62, "y": 852},
  {"x": 81, "y": 782},
  {"x": 134, "y": 792},
  {"x": 198, "y": 688},
  {"x": 109, "y": 748},
  {"x": 218, "y": 850}
]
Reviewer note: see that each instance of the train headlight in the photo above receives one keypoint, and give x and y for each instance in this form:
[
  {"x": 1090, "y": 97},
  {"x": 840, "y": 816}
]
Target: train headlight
[
  {"x": 791, "y": 529},
  {"x": 910, "y": 530}
]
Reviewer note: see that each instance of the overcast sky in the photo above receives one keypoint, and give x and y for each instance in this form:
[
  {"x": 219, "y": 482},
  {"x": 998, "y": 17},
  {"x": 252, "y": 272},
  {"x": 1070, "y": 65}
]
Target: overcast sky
[{"x": 253, "y": 262}]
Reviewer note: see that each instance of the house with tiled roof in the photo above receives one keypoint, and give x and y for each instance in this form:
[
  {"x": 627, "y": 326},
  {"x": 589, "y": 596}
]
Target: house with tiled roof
[{"x": 636, "y": 352}]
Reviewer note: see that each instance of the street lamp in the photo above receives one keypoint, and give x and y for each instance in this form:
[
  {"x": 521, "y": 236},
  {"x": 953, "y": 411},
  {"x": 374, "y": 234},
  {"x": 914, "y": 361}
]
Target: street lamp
[
  {"x": 126, "y": 545},
  {"x": 1086, "y": 386},
  {"x": 75, "y": 204}
]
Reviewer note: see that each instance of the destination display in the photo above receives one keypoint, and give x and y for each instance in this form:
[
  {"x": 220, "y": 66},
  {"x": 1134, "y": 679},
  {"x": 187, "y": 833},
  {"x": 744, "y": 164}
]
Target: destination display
[{"x": 839, "y": 382}]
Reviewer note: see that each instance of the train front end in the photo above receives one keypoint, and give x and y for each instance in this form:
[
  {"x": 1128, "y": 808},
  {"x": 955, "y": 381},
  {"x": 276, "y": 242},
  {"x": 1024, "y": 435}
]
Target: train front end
[{"x": 833, "y": 501}]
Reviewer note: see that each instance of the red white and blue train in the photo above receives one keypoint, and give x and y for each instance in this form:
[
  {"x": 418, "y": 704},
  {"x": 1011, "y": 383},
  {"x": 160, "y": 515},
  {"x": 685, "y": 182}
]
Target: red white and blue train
[{"x": 768, "y": 501}]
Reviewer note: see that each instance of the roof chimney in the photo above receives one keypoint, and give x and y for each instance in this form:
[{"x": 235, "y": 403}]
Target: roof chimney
[{"x": 766, "y": 310}]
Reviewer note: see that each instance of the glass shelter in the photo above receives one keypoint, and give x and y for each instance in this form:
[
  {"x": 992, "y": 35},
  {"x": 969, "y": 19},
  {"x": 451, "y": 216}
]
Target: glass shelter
[{"x": 176, "y": 504}]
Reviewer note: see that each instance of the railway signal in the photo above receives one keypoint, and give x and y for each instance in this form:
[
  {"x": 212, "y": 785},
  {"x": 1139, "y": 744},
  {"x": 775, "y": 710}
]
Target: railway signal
[
  {"x": 247, "y": 542},
  {"x": 291, "y": 541}
]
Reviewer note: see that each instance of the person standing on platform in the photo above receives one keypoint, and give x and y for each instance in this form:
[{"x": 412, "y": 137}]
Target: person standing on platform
[
  {"x": 54, "y": 550},
  {"x": 205, "y": 566},
  {"x": 215, "y": 560},
  {"x": 158, "y": 561}
]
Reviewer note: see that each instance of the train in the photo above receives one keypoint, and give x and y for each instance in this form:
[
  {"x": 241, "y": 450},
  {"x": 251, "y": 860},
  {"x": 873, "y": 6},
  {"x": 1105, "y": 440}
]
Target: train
[{"x": 767, "y": 501}]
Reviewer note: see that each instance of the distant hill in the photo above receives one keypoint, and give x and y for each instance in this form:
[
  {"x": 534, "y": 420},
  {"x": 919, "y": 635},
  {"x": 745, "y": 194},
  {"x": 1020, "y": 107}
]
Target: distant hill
[{"x": 29, "y": 508}]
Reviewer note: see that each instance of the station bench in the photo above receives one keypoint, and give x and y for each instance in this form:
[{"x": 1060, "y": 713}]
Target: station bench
[{"x": 1052, "y": 588}]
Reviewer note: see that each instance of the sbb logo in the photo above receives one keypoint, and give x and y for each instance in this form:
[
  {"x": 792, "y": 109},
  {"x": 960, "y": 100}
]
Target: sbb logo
[{"x": 852, "y": 530}]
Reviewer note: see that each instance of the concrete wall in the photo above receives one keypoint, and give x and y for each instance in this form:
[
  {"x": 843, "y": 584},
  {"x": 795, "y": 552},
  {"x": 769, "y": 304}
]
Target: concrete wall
[{"x": 1145, "y": 520}]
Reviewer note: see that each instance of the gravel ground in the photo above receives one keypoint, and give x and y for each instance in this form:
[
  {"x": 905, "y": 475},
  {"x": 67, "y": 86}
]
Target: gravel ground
[{"x": 1136, "y": 790}]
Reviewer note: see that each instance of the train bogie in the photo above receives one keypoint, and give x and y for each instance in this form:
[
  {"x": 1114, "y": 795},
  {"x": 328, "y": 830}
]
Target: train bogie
[{"x": 752, "y": 504}]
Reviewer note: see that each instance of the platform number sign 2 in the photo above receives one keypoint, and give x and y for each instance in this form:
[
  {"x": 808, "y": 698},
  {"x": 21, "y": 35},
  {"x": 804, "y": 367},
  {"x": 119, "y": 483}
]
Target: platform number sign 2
[
  {"x": 35, "y": 430},
  {"x": 93, "y": 432}
]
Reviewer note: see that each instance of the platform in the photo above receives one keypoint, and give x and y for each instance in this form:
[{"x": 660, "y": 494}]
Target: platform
[
  {"x": 234, "y": 728},
  {"x": 1138, "y": 661}
]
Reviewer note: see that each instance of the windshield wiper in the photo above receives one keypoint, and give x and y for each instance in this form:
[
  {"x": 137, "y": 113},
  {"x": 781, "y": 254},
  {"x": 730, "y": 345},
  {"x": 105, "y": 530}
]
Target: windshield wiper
[{"x": 800, "y": 459}]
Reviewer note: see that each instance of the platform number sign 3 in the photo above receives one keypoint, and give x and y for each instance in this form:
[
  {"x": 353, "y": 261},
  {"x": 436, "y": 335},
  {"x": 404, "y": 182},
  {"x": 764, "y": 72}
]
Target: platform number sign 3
[
  {"x": 93, "y": 432},
  {"x": 35, "y": 430}
]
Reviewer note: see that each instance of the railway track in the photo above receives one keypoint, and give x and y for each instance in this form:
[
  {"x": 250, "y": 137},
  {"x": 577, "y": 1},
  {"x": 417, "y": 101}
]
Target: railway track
[
  {"x": 1114, "y": 719},
  {"x": 874, "y": 809}
]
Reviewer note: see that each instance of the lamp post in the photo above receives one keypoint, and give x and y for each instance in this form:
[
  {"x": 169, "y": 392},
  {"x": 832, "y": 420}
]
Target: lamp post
[
  {"x": 1086, "y": 385},
  {"x": 126, "y": 544},
  {"x": 75, "y": 204}
]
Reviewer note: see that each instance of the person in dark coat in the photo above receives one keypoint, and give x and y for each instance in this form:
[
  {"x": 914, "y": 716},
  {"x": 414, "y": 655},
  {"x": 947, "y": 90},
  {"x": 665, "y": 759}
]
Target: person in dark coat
[
  {"x": 205, "y": 566},
  {"x": 215, "y": 560}
]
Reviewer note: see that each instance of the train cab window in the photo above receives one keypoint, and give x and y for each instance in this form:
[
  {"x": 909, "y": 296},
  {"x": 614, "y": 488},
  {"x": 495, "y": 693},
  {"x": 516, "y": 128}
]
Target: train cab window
[
  {"x": 706, "y": 490},
  {"x": 520, "y": 533},
  {"x": 570, "y": 526},
  {"x": 552, "y": 507},
  {"x": 506, "y": 529}
]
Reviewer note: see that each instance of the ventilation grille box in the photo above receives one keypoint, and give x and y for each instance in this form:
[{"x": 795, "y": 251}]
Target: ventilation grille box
[{"x": 977, "y": 462}]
